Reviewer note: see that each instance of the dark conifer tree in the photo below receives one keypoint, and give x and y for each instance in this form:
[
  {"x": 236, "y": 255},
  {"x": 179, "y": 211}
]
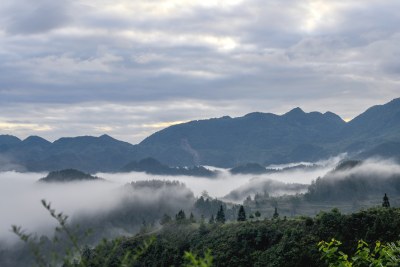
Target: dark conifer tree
[
  {"x": 211, "y": 221},
  {"x": 386, "y": 203},
  {"x": 220, "y": 215},
  {"x": 241, "y": 215},
  {"x": 276, "y": 214},
  {"x": 180, "y": 216}
]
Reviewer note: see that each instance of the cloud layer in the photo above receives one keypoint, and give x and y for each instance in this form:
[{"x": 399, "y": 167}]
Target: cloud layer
[{"x": 123, "y": 67}]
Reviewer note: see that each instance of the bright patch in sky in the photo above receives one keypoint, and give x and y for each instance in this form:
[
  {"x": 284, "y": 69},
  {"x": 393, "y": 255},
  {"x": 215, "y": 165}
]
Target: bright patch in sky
[{"x": 226, "y": 57}]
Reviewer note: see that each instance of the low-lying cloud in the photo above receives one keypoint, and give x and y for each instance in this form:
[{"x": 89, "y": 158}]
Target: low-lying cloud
[{"x": 21, "y": 194}]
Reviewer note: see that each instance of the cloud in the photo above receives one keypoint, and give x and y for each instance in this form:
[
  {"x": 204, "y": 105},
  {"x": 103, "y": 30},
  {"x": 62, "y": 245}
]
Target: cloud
[
  {"x": 252, "y": 55},
  {"x": 33, "y": 17}
]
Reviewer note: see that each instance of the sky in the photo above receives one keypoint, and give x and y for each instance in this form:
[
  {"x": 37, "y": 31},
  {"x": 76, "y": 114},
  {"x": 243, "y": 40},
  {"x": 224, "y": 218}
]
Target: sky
[{"x": 130, "y": 68}]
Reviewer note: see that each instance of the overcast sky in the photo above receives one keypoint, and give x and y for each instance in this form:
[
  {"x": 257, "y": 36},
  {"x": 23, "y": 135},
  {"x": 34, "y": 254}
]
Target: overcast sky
[{"x": 131, "y": 67}]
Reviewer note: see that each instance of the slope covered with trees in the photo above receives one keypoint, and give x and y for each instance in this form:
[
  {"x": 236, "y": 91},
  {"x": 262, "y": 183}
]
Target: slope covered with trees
[
  {"x": 261, "y": 138},
  {"x": 277, "y": 242}
]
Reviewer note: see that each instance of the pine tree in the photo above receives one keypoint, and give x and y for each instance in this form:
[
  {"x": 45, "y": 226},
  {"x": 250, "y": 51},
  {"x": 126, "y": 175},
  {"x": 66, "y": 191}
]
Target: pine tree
[
  {"x": 386, "y": 203},
  {"x": 276, "y": 214},
  {"x": 241, "y": 214},
  {"x": 211, "y": 221},
  {"x": 221, "y": 215},
  {"x": 180, "y": 216}
]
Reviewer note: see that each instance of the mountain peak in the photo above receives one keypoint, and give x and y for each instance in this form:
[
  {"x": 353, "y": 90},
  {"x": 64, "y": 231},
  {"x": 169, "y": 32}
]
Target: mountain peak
[
  {"x": 34, "y": 139},
  {"x": 294, "y": 112},
  {"x": 106, "y": 137},
  {"x": 9, "y": 139}
]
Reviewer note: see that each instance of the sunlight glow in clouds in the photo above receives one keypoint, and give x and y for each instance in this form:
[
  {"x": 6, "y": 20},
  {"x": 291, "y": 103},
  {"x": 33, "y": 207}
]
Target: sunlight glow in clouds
[
  {"x": 226, "y": 57},
  {"x": 318, "y": 13},
  {"x": 165, "y": 124},
  {"x": 16, "y": 126}
]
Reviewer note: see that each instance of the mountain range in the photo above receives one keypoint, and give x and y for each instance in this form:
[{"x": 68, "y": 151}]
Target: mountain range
[{"x": 262, "y": 138}]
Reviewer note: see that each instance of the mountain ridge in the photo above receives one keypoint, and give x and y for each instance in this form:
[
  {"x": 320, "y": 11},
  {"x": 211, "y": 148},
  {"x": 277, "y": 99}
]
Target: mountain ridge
[{"x": 257, "y": 137}]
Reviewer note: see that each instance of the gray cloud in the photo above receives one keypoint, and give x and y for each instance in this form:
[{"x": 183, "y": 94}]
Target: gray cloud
[
  {"x": 229, "y": 57},
  {"x": 33, "y": 17}
]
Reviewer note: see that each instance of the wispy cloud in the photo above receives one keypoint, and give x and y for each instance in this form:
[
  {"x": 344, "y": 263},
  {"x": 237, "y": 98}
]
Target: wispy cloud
[{"x": 238, "y": 56}]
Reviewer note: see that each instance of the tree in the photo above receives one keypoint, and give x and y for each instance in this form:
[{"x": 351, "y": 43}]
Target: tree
[
  {"x": 202, "y": 227},
  {"x": 165, "y": 219},
  {"x": 257, "y": 214},
  {"x": 220, "y": 215},
  {"x": 191, "y": 218},
  {"x": 380, "y": 255},
  {"x": 276, "y": 214},
  {"x": 194, "y": 261},
  {"x": 211, "y": 221},
  {"x": 180, "y": 216},
  {"x": 241, "y": 214},
  {"x": 386, "y": 203}
]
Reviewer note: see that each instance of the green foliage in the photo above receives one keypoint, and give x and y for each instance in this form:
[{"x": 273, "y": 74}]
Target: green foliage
[
  {"x": 277, "y": 243},
  {"x": 380, "y": 255},
  {"x": 194, "y": 261}
]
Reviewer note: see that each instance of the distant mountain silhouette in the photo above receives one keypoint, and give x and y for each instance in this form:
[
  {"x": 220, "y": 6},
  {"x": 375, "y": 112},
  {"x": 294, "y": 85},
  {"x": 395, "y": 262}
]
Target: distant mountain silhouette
[
  {"x": 256, "y": 137},
  {"x": 249, "y": 168},
  {"x": 153, "y": 166},
  {"x": 86, "y": 153},
  {"x": 69, "y": 175},
  {"x": 261, "y": 138}
]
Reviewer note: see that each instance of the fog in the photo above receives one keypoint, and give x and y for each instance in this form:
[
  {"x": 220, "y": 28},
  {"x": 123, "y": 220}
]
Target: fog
[
  {"x": 373, "y": 167},
  {"x": 20, "y": 195}
]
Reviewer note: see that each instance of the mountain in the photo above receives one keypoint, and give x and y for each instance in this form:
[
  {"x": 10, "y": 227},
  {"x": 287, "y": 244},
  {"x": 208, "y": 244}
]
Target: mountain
[
  {"x": 376, "y": 123},
  {"x": 86, "y": 153},
  {"x": 153, "y": 166},
  {"x": 261, "y": 138},
  {"x": 7, "y": 141},
  {"x": 256, "y": 137},
  {"x": 69, "y": 175},
  {"x": 249, "y": 168}
]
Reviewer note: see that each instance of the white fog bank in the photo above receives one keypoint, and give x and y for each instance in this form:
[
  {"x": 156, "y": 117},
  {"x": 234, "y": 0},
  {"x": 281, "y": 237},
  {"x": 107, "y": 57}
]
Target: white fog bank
[{"x": 20, "y": 195}]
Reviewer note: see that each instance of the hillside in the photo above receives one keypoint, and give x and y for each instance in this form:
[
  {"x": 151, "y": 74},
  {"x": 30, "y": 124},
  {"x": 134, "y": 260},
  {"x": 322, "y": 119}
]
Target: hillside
[
  {"x": 260, "y": 138},
  {"x": 153, "y": 166},
  {"x": 255, "y": 137},
  {"x": 69, "y": 175},
  {"x": 276, "y": 242},
  {"x": 266, "y": 138}
]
